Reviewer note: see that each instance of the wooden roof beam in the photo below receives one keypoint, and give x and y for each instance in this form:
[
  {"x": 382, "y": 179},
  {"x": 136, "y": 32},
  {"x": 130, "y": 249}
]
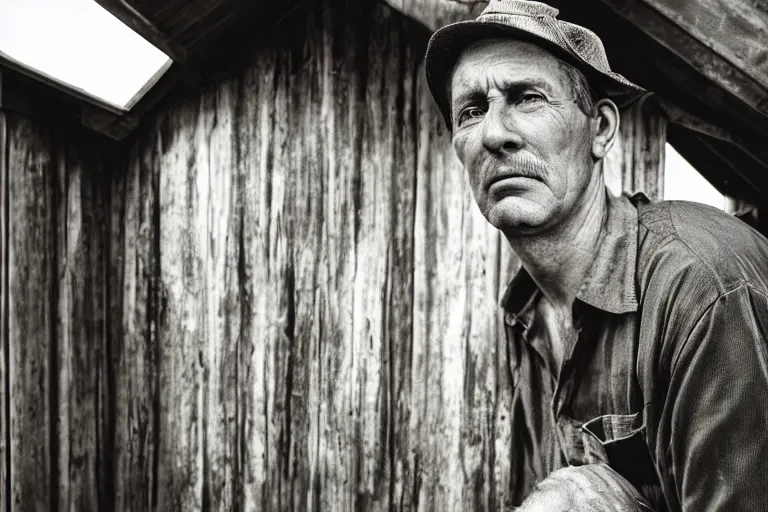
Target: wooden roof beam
[
  {"x": 742, "y": 83},
  {"x": 755, "y": 149},
  {"x": 737, "y": 30},
  {"x": 11, "y": 64},
  {"x": 726, "y": 176},
  {"x": 149, "y": 31}
]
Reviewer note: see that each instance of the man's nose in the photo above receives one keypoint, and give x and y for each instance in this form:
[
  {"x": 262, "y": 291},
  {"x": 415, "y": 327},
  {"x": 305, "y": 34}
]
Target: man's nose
[{"x": 500, "y": 132}]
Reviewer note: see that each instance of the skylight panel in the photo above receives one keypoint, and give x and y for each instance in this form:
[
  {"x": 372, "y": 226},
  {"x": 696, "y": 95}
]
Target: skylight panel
[{"x": 81, "y": 44}]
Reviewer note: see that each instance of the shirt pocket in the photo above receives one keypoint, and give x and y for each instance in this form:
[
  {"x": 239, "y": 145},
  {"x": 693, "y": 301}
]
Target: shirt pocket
[{"x": 619, "y": 441}]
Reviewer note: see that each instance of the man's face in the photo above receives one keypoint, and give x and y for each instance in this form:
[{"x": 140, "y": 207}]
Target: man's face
[{"x": 520, "y": 134}]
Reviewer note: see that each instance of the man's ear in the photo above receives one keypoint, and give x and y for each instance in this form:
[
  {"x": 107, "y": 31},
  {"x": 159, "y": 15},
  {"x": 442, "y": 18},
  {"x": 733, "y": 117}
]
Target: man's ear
[{"x": 606, "y": 127}]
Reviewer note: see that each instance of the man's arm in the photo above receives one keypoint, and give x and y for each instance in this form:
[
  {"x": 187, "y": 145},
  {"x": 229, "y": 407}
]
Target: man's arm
[
  {"x": 594, "y": 487},
  {"x": 713, "y": 439}
]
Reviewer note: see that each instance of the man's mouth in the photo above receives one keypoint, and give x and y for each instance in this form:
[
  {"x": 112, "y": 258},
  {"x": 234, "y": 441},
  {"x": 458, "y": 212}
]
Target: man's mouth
[{"x": 507, "y": 176}]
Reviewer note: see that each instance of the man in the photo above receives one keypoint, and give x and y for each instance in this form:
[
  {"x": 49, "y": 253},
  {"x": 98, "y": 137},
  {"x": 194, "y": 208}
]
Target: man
[{"x": 636, "y": 331}]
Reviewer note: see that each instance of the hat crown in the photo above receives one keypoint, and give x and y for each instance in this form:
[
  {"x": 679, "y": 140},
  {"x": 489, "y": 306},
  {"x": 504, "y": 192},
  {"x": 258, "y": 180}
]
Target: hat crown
[
  {"x": 519, "y": 8},
  {"x": 533, "y": 21}
]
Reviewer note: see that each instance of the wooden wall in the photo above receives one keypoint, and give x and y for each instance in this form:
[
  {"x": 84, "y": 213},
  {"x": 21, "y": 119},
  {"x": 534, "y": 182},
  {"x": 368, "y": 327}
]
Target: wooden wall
[
  {"x": 279, "y": 295},
  {"x": 282, "y": 298},
  {"x": 304, "y": 326},
  {"x": 56, "y": 429}
]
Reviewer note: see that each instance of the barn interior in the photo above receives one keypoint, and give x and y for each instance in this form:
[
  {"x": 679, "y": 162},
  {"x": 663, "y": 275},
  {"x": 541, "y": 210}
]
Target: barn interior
[{"x": 242, "y": 288}]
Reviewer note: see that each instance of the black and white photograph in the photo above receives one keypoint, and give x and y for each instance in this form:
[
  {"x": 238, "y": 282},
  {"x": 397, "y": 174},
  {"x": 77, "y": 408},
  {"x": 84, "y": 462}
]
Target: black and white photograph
[{"x": 383, "y": 256}]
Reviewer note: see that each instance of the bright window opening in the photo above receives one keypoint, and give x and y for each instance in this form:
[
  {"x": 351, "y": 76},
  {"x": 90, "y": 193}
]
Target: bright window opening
[
  {"x": 683, "y": 182},
  {"x": 81, "y": 44}
]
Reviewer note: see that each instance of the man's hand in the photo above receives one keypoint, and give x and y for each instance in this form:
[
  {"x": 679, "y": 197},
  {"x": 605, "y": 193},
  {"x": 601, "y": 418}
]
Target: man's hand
[{"x": 593, "y": 488}]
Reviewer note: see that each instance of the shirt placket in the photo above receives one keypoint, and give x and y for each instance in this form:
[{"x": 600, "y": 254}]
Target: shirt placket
[
  {"x": 567, "y": 430},
  {"x": 517, "y": 327}
]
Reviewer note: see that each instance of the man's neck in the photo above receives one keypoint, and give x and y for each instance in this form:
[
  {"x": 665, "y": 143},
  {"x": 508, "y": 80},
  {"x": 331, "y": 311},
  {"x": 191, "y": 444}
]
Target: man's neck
[{"x": 559, "y": 260}]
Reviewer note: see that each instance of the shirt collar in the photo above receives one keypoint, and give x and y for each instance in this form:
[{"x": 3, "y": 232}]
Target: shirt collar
[{"x": 610, "y": 282}]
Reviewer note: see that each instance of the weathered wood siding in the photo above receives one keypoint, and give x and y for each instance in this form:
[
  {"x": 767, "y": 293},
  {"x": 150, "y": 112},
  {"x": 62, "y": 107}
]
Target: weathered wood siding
[
  {"x": 636, "y": 161},
  {"x": 307, "y": 290},
  {"x": 278, "y": 296},
  {"x": 4, "y": 331},
  {"x": 55, "y": 387}
]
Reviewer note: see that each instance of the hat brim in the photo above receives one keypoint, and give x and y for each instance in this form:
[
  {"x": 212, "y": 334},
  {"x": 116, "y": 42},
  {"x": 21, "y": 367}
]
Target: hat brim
[{"x": 447, "y": 43}]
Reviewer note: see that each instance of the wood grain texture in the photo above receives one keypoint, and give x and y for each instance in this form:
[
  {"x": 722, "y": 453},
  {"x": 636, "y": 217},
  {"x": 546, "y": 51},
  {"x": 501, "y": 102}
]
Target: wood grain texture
[
  {"x": 636, "y": 161},
  {"x": 79, "y": 335},
  {"x": 437, "y": 13},
  {"x": 56, "y": 318},
  {"x": 5, "y": 496},
  {"x": 282, "y": 298},
  {"x": 31, "y": 253},
  {"x": 134, "y": 309},
  {"x": 735, "y": 29},
  {"x": 324, "y": 341},
  {"x": 459, "y": 408},
  {"x": 744, "y": 83}
]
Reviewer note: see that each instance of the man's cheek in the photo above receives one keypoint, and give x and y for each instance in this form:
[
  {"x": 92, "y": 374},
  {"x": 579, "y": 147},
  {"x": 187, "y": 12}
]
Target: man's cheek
[
  {"x": 478, "y": 191},
  {"x": 458, "y": 141},
  {"x": 477, "y": 179}
]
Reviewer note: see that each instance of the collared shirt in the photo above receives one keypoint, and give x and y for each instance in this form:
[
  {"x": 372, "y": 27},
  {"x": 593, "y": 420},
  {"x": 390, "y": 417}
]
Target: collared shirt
[{"x": 666, "y": 375}]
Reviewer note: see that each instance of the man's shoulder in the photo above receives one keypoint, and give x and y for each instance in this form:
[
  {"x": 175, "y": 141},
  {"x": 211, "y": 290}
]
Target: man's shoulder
[
  {"x": 681, "y": 241},
  {"x": 686, "y": 219}
]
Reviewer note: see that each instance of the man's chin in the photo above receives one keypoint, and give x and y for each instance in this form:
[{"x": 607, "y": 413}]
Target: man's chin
[{"x": 516, "y": 216}]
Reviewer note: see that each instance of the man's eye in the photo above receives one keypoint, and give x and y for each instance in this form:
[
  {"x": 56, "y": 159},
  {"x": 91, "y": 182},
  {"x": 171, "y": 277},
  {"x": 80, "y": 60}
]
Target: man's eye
[
  {"x": 471, "y": 113},
  {"x": 529, "y": 98}
]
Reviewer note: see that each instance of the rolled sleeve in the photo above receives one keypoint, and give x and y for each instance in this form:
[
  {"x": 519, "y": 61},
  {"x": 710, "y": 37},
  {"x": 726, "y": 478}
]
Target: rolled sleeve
[{"x": 593, "y": 488}]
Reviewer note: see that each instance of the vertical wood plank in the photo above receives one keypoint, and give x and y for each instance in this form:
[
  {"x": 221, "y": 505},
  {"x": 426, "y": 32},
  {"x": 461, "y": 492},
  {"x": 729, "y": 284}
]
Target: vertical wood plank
[
  {"x": 364, "y": 244},
  {"x": 55, "y": 317},
  {"x": 80, "y": 234},
  {"x": 135, "y": 350},
  {"x": 30, "y": 303},
  {"x": 5, "y": 477},
  {"x": 75, "y": 414},
  {"x": 253, "y": 275},
  {"x": 261, "y": 264},
  {"x": 265, "y": 260},
  {"x": 636, "y": 162},
  {"x": 184, "y": 194},
  {"x": 396, "y": 165},
  {"x": 221, "y": 404},
  {"x": 67, "y": 224}
]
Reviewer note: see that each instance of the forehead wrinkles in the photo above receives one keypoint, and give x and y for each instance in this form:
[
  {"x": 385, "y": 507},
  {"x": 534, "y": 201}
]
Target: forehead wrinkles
[{"x": 495, "y": 64}]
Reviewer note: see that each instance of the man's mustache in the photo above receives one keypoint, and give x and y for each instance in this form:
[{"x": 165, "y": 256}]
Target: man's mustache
[{"x": 518, "y": 166}]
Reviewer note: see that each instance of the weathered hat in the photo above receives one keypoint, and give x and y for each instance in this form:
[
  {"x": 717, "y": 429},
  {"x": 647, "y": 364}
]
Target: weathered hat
[{"x": 535, "y": 22}]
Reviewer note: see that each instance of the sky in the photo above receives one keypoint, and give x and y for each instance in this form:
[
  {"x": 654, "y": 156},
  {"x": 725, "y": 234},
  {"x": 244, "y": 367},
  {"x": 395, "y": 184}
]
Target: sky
[
  {"x": 682, "y": 181},
  {"x": 79, "y": 42}
]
